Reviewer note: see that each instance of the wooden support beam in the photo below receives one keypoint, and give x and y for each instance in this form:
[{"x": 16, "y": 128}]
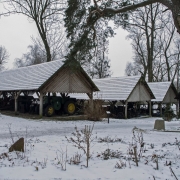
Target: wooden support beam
[
  {"x": 90, "y": 95},
  {"x": 41, "y": 104},
  {"x": 177, "y": 108},
  {"x": 160, "y": 106},
  {"x": 150, "y": 108},
  {"x": 16, "y": 95},
  {"x": 25, "y": 93},
  {"x": 42, "y": 94},
  {"x": 126, "y": 106},
  {"x": 92, "y": 101}
]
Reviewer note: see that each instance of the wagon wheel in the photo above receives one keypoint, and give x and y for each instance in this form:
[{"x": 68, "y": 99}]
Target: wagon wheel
[
  {"x": 70, "y": 107},
  {"x": 49, "y": 111}
]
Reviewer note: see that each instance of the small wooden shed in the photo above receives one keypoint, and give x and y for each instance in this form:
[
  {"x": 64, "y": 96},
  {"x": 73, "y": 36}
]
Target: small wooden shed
[
  {"x": 164, "y": 92},
  {"x": 49, "y": 77}
]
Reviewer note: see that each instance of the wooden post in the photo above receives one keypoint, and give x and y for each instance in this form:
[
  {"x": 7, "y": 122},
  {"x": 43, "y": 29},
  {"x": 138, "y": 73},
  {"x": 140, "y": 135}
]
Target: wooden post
[
  {"x": 16, "y": 95},
  {"x": 179, "y": 106},
  {"x": 91, "y": 100},
  {"x": 150, "y": 108},
  {"x": 16, "y": 105},
  {"x": 160, "y": 109},
  {"x": 41, "y": 104},
  {"x": 92, "y": 103},
  {"x": 126, "y": 105},
  {"x": 177, "y": 109}
]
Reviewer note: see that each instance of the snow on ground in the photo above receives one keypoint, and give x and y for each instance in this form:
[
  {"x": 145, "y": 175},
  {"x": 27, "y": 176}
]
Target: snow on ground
[{"x": 46, "y": 144}]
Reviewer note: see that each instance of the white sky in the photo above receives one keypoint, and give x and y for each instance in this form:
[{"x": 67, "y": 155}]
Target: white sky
[{"x": 16, "y": 32}]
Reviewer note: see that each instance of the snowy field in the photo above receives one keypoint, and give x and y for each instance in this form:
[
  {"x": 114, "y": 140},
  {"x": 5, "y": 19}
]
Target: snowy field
[{"x": 49, "y": 155}]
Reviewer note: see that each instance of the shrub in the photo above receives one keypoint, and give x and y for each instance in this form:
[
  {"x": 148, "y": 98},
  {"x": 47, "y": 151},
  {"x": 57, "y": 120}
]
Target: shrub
[
  {"x": 94, "y": 110},
  {"x": 168, "y": 113},
  {"x": 82, "y": 139}
]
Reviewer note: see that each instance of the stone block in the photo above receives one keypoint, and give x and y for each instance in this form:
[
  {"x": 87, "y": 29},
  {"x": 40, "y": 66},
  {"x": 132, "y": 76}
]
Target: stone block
[
  {"x": 159, "y": 124},
  {"x": 17, "y": 146}
]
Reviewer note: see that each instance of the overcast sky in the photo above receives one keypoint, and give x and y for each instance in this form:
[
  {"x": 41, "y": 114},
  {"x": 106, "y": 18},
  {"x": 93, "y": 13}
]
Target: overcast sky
[{"x": 16, "y": 32}]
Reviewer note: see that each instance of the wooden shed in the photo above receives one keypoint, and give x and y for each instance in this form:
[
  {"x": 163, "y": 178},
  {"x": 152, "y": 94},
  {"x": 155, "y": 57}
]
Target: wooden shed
[
  {"x": 125, "y": 89},
  {"x": 164, "y": 92},
  {"x": 49, "y": 77}
]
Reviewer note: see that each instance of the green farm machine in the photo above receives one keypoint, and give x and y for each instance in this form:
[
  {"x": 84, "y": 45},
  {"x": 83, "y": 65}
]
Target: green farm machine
[{"x": 58, "y": 105}]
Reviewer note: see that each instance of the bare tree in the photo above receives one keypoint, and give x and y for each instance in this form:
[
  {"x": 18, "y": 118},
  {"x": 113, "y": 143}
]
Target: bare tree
[
  {"x": 95, "y": 61},
  {"x": 57, "y": 41},
  {"x": 103, "y": 9},
  {"x": 152, "y": 34},
  {"x": 100, "y": 68},
  {"x": 144, "y": 26},
  {"x": 168, "y": 49},
  {"x": 45, "y": 13},
  {"x": 177, "y": 44},
  {"x": 34, "y": 56},
  {"x": 4, "y": 55},
  {"x": 99, "y": 65},
  {"x": 83, "y": 17},
  {"x": 131, "y": 69}
]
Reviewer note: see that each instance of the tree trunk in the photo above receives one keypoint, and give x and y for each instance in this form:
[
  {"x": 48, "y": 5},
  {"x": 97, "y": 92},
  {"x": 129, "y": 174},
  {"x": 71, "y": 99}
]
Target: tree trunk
[
  {"x": 151, "y": 58},
  {"x": 42, "y": 33},
  {"x": 174, "y": 7}
]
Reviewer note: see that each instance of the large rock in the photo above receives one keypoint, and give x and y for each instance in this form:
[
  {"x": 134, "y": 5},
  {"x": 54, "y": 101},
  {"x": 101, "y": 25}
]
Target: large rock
[
  {"x": 17, "y": 146},
  {"x": 159, "y": 124}
]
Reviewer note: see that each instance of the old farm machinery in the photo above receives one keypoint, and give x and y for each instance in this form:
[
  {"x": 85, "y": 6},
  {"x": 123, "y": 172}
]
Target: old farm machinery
[
  {"x": 58, "y": 105},
  {"x": 51, "y": 104}
]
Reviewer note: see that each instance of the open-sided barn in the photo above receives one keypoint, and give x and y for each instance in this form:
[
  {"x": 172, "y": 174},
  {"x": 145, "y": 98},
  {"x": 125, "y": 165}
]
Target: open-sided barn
[
  {"x": 125, "y": 89},
  {"x": 49, "y": 77},
  {"x": 164, "y": 92}
]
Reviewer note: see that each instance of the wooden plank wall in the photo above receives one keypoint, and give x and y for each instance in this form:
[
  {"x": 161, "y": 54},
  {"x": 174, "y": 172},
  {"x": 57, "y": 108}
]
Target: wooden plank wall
[
  {"x": 67, "y": 81},
  {"x": 169, "y": 97},
  {"x": 140, "y": 93}
]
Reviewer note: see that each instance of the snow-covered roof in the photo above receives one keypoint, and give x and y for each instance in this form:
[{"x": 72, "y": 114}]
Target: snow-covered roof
[
  {"x": 159, "y": 89},
  {"x": 28, "y": 78},
  {"x": 115, "y": 88}
]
